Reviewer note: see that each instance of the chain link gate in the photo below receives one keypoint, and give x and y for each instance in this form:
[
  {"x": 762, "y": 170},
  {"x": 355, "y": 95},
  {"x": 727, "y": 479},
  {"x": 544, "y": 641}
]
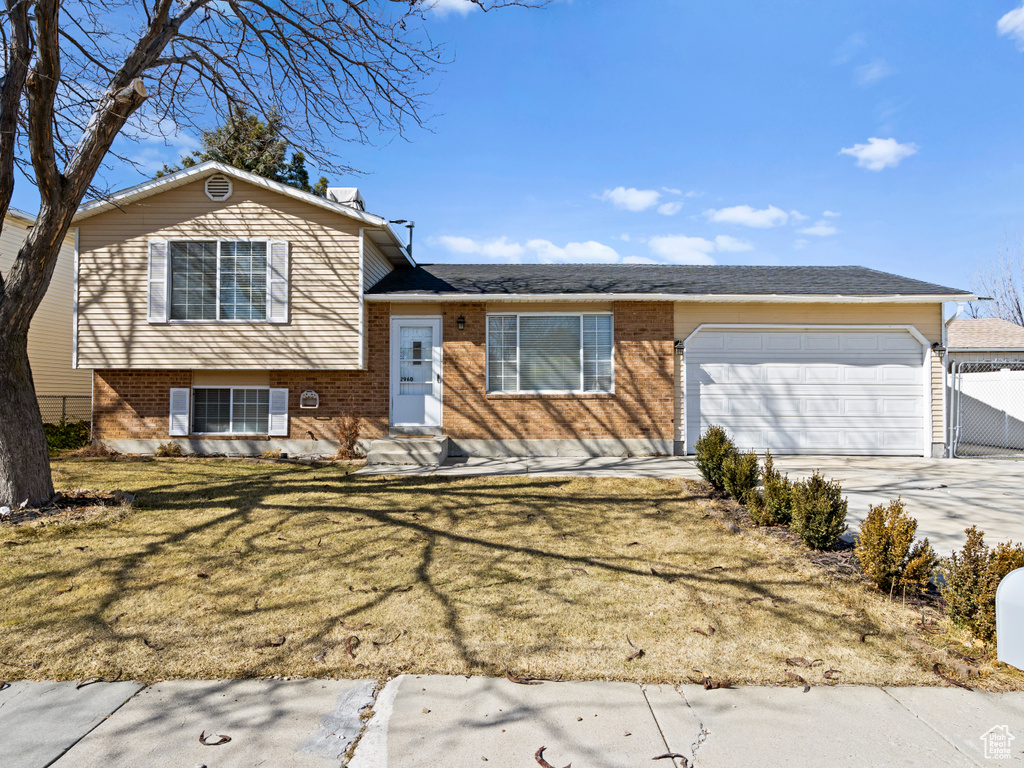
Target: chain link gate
[{"x": 986, "y": 409}]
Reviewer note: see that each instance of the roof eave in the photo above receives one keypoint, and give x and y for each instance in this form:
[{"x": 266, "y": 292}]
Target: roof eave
[{"x": 709, "y": 297}]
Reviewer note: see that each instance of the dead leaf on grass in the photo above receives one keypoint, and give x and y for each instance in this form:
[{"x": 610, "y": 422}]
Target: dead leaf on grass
[
  {"x": 865, "y": 635},
  {"x": 539, "y": 757},
  {"x": 800, "y": 661},
  {"x": 4, "y": 684},
  {"x": 576, "y": 569},
  {"x": 521, "y": 681},
  {"x": 379, "y": 643},
  {"x": 350, "y": 646},
  {"x": 709, "y": 683},
  {"x": 275, "y": 643},
  {"x": 152, "y": 646},
  {"x": 64, "y": 591},
  {"x": 357, "y": 627},
  {"x": 830, "y": 674},
  {"x": 98, "y": 679},
  {"x": 707, "y": 633},
  {"x": 637, "y": 652},
  {"x": 946, "y": 678},
  {"x": 795, "y": 676},
  {"x": 221, "y": 739},
  {"x": 202, "y": 575}
]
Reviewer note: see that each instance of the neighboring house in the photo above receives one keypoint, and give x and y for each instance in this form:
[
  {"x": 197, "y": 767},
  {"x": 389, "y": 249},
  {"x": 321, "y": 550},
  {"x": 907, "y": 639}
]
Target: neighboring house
[
  {"x": 50, "y": 333},
  {"x": 985, "y": 361},
  {"x": 234, "y": 314}
]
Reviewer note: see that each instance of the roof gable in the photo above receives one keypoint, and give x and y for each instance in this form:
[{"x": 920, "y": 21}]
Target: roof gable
[{"x": 984, "y": 333}]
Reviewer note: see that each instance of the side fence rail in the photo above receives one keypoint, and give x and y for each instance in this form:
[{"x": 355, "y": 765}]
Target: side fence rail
[{"x": 986, "y": 409}]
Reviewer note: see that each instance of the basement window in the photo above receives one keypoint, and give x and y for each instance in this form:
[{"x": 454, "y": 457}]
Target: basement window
[{"x": 230, "y": 410}]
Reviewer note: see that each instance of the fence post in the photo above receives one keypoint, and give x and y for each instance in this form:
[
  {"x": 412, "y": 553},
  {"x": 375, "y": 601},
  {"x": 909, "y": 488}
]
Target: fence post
[{"x": 63, "y": 409}]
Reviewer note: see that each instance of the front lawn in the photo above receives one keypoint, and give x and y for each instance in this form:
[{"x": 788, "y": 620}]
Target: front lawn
[{"x": 242, "y": 569}]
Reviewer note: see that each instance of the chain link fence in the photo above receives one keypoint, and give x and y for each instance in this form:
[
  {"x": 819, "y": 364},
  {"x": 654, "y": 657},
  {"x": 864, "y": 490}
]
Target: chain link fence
[
  {"x": 65, "y": 409},
  {"x": 987, "y": 409}
]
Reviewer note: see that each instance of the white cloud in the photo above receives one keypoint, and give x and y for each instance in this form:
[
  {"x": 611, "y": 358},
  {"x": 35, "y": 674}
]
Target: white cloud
[
  {"x": 681, "y": 249},
  {"x": 819, "y": 229},
  {"x": 732, "y": 244},
  {"x": 745, "y": 216},
  {"x": 670, "y": 209},
  {"x": 796, "y": 216},
  {"x": 157, "y": 141},
  {"x": 497, "y": 248},
  {"x": 850, "y": 48},
  {"x": 880, "y": 153},
  {"x": 639, "y": 260},
  {"x": 671, "y": 191},
  {"x": 871, "y": 73},
  {"x": 1012, "y": 25},
  {"x": 631, "y": 199},
  {"x": 831, "y": 214},
  {"x": 589, "y": 251},
  {"x": 444, "y": 7}
]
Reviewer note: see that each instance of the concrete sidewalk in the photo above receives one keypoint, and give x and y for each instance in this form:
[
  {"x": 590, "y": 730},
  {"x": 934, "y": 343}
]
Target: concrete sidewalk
[{"x": 441, "y": 722}]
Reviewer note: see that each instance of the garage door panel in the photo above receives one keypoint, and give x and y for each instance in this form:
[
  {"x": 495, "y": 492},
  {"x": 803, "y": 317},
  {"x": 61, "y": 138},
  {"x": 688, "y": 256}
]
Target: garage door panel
[{"x": 856, "y": 392}]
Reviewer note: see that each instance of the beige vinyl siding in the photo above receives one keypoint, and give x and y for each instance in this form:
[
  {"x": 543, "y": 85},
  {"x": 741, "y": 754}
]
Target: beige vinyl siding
[
  {"x": 375, "y": 266},
  {"x": 50, "y": 334},
  {"x": 323, "y": 327},
  {"x": 926, "y": 318}
]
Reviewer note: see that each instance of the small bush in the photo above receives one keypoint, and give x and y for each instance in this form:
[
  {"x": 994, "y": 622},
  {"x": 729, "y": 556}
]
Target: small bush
[
  {"x": 777, "y": 496},
  {"x": 970, "y": 579},
  {"x": 819, "y": 512},
  {"x": 712, "y": 449},
  {"x": 348, "y": 434},
  {"x": 740, "y": 474},
  {"x": 887, "y": 552},
  {"x": 67, "y": 436},
  {"x": 168, "y": 450},
  {"x": 274, "y": 454}
]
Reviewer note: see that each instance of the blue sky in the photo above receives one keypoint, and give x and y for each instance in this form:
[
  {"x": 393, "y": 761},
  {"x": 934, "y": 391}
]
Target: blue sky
[{"x": 877, "y": 133}]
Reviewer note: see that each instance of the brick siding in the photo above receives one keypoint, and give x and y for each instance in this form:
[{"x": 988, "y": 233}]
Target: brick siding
[
  {"x": 640, "y": 408},
  {"x": 136, "y": 403}
]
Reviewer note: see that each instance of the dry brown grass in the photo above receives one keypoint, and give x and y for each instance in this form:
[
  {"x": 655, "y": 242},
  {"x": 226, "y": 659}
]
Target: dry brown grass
[{"x": 544, "y": 577}]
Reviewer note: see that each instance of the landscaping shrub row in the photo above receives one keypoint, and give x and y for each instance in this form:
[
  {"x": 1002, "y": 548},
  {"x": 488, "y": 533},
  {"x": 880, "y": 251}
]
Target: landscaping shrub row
[
  {"x": 886, "y": 548},
  {"x": 67, "y": 435}
]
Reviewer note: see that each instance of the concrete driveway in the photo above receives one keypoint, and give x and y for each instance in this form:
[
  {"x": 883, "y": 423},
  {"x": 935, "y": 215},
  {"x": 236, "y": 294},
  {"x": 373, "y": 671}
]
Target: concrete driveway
[{"x": 945, "y": 495}]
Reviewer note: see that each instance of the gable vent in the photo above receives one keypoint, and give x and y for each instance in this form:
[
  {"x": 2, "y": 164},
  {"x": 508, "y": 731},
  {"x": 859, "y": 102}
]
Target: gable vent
[{"x": 218, "y": 187}]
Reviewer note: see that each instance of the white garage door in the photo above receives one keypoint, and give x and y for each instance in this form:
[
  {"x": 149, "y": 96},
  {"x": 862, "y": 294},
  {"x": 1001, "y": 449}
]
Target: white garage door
[{"x": 808, "y": 391}]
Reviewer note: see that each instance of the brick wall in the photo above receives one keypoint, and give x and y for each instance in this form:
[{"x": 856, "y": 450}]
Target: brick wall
[
  {"x": 641, "y": 406},
  {"x": 135, "y": 404}
]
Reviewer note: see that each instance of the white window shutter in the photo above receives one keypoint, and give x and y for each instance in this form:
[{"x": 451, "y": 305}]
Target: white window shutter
[
  {"x": 159, "y": 301},
  {"x": 278, "y": 421},
  {"x": 179, "y": 412},
  {"x": 277, "y": 282}
]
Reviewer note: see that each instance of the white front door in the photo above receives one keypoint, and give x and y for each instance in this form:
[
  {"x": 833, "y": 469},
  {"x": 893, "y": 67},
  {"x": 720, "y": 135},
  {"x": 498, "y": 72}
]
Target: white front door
[{"x": 416, "y": 371}]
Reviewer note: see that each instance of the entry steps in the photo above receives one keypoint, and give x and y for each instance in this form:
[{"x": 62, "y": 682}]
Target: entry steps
[{"x": 419, "y": 451}]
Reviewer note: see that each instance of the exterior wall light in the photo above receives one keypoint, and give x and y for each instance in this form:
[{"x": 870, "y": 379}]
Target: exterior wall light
[
  {"x": 678, "y": 347},
  {"x": 939, "y": 350},
  {"x": 461, "y": 322}
]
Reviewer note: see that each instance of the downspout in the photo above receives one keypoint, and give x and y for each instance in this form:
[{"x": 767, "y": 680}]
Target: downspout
[{"x": 947, "y": 451}]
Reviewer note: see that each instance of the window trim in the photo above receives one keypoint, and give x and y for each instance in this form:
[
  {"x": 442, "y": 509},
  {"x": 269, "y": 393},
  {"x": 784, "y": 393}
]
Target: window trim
[
  {"x": 231, "y": 417},
  {"x": 234, "y": 321},
  {"x": 517, "y": 390}
]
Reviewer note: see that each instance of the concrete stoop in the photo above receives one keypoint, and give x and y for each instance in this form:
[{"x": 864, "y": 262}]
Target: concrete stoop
[{"x": 419, "y": 451}]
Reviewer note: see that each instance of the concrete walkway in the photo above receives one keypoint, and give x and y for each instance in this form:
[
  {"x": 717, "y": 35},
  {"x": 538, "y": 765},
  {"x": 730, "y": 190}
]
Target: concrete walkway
[
  {"x": 945, "y": 495},
  {"x": 441, "y": 722}
]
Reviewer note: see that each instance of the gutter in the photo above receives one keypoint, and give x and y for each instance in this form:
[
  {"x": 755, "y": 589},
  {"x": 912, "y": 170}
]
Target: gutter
[{"x": 681, "y": 297}]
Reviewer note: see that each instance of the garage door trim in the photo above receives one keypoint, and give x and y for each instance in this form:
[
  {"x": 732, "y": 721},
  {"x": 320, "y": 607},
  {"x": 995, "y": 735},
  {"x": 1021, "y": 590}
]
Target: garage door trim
[{"x": 926, "y": 362}]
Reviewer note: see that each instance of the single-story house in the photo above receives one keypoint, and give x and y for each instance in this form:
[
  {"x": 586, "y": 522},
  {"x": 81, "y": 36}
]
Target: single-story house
[
  {"x": 62, "y": 389},
  {"x": 233, "y": 314},
  {"x": 985, "y": 364}
]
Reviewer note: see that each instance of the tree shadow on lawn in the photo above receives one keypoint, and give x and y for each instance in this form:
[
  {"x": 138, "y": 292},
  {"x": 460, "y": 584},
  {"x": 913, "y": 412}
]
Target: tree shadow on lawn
[{"x": 545, "y": 576}]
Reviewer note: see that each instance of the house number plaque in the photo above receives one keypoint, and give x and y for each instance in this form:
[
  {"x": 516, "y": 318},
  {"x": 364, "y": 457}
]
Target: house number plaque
[{"x": 309, "y": 399}]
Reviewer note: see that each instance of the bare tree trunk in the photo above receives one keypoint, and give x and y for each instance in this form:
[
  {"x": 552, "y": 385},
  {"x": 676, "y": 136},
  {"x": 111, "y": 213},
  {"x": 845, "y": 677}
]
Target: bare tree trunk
[{"x": 24, "y": 457}]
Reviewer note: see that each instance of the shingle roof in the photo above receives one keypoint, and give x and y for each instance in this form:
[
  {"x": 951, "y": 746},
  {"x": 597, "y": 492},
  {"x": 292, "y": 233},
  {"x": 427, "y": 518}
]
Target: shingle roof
[
  {"x": 440, "y": 280},
  {"x": 984, "y": 333}
]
